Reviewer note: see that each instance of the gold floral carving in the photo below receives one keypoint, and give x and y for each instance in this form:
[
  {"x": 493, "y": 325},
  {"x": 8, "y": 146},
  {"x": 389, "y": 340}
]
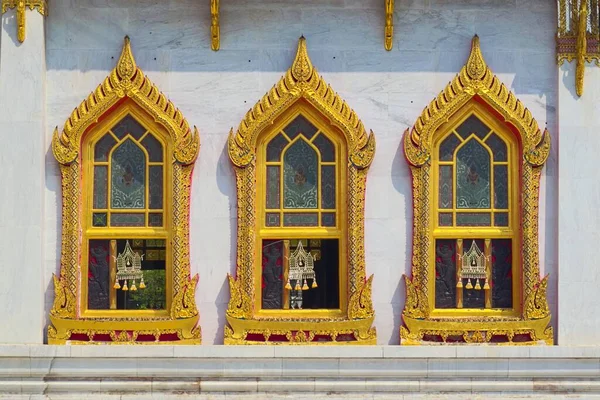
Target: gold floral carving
[
  {"x": 389, "y": 25},
  {"x": 125, "y": 82},
  {"x": 578, "y": 36},
  {"x": 215, "y": 29},
  {"x": 300, "y": 82},
  {"x": 21, "y": 6},
  {"x": 475, "y": 81}
]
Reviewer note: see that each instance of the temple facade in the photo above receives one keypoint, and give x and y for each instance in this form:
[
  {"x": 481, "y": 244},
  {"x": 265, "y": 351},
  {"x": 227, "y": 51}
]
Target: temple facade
[{"x": 271, "y": 196}]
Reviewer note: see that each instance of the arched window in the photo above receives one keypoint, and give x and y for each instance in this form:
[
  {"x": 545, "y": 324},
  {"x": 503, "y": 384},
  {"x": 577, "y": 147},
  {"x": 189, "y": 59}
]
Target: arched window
[
  {"x": 301, "y": 275},
  {"x": 126, "y": 157},
  {"x": 476, "y": 156}
]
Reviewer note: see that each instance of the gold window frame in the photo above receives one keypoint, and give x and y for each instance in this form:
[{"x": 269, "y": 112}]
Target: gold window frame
[
  {"x": 125, "y": 91},
  {"x": 301, "y": 90},
  {"x": 477, "y": 90}
]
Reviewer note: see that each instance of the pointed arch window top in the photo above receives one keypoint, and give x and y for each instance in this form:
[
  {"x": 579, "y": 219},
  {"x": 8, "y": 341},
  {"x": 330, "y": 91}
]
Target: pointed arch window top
[
  {"x": 301, "y": 81},
  {"x": 476, "y": 79},
  {"x": 126, "y": 80}
]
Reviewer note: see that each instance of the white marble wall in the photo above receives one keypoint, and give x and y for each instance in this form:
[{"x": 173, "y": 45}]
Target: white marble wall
[
  {"x": 579, "y": 211},
  {"x": 388, "y": 90},
  {"x": 22, "y": 127}
]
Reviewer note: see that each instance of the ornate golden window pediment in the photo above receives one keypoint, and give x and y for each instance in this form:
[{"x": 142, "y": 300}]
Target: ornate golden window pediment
[
  {"x": 301, "y": 157},
  {"x": 476, "y": 155},
  {"x": 126, "y": 156}
]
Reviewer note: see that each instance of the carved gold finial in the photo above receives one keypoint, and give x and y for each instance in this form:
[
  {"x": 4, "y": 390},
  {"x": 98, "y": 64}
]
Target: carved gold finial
[
  {"x": 389, "y": 25},
  {"x": 215, "y": 30},
  {"x": 581, "y": 48},
  {"x": 126, "y": 66},
  {"x": 476, "y": 64},
  {"x": 21, "y": 6},
  {"x": 302, "y": 67}
]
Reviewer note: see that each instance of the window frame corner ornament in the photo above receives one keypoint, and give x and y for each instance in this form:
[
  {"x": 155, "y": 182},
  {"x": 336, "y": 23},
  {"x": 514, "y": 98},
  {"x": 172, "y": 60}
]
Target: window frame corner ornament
[
  {"x": 475, "y": 81},
  {"x": 21, "y": 5},
  {"x": 300, "y": 82},
  {"x": 125, "y": 82}
]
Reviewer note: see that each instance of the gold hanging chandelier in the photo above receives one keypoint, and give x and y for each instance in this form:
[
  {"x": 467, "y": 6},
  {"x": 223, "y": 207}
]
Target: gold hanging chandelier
[{"x": 129, "y": 269}]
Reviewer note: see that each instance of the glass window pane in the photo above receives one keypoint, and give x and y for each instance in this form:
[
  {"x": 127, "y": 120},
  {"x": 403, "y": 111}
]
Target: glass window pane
[
  {"x": 500, "y": 186},
  {"x": 473, "y": 176},
  {"x": 273, "y": 182},
  {"x": 155, "y": 219},
  {"x": 127, "y": 219},
  {"x": 448, "y": 146},
  {"x": 273, "y": 219},
  {"x": 272, "y": 274},
  {"x": 103, "y": 147},
  {"x": 128, "y": 169},
  {"x": 300, "y": 219},
  {"x": 328, "y": 186},
  {"x": 445, "y": 219},
  {"x": 445, "y": 273},
  {"x": 473, "y": 125},
  {"x": 445, "y": 186},
  {"x": 275, "y": 147},
  {"x": 500, "y": 219},
  {"x": 156, "y": 187},
  {"x": 501, "y": 273},
  {"x": 326, "y": 148},
  {"x": 300, "y": 125},
  {"x": 473, "y": 219},
  {"x": 300, "y": 183},
  {"x": 99, "y": 219},
  {"x": 128, "y": 125},
  {"x": 328, "y": 219},
  {"x": 473, "y": 298},
  {"x": 100, "y": 186},
  {"x": 498, "y": 147},
  {"x": 153, "y": 147},
  {"x": 98, "y": 275}
]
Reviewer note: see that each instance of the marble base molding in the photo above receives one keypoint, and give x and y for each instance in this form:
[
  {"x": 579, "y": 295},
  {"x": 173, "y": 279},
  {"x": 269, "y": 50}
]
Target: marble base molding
[{"x": 30, "y": 370}]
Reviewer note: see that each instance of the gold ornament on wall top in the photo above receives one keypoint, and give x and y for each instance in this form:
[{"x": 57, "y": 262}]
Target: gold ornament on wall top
[
  {"x": 301, "y": 86},
  {"x": 21, "y": 5},
  {"x": 126, "y": 84},
  {"x": 475, "y": 85}
]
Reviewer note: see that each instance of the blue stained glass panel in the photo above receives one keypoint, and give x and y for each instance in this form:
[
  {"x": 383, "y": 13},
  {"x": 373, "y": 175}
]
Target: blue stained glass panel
[
  {"x": 328, "y": 219},
  {"x": 128, "y": 180},
  {"x": 473, "y": 125},
  {"x": 500, "y": 186},
  {"x": 275, "y": 147},
  {"x": 326, "y": 148},
  {"x": 103, "y": 147},
  {"x": 448, "y": 146},
  {"x": 500, "y": 219},
  {"x": 127, "y": 219},
  {"x": 445, "y": 186},
  {"x": 156, "y": 187},
  {"x": 155, "y": 219},
  {"x": 99, "y": 219},
  {"x": 473, "y": 219},
  {"x": 153, "y": 147},
  {"x": 473, "y": 176},
  {"x": 273, "y": 183},
  {"x": 273, "y": 219},
  {"x": 498, "y": 147},
  {"x": 300, "y": 183},
  {"x": 328, "y": 186},
  {"x": 300, "y": 125},
  {"x": 300, "y": 219},
  {"x": 445, "y": 219},
  {"x": 100, "y": 186},
  {"x": 128, "y": 125}
]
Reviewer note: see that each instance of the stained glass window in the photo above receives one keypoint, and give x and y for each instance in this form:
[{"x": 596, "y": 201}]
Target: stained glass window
[
  {"x": 153, "y": 147},
  {"x": 328, "y": 183},
  {"x": 275, "y": 147},
  {"x": 448, "y": 147},
  {"x": 128, "y": 126},
  {"x": 472, "y": 176},
  {"x": 300, "y": 125},
  {"x": 156, "y": 187},
  {"x": 325, "y": 147},
  {"x": 100, "y": 186},
  {"x": 473, "y": 125},
  {"x": 128, "y": 176},
  {"x": 300, "y": 176},
  {"x": 445, "y": 273},
  {"x": 445, "y": 186},
  {"x": 273, "y": 186}
]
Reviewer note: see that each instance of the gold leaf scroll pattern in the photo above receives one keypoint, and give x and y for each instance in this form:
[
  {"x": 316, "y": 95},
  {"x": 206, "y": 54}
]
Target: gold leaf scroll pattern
[
  {"x": 301, "y": 81},
  {"x": 474, "y": 79},
  {"x": 126, "y": 80}
]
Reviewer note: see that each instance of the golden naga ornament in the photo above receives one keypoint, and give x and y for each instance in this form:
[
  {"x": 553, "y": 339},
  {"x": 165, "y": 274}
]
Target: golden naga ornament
[
  {"x": 578, "y": 36},
  {"x": 126, "y": 88},
  {"x": 301, "y": 87},
  {"x": 476, "y": 86},
  {"x": 215, "y": 28},
  {"x": 21, "y": 6},
  {"x": 388, "y": 31}
]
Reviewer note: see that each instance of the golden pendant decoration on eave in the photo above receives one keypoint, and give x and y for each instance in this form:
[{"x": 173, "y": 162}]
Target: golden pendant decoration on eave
[
  {"x": 126, "y": 82},
  {"x": 388, "y": 32},
  {"x": 215, "y": 28},
  {"x": 300, "y": 83},
  {"x": 475, "y": 82},
  {"x": 21, "y": 6},
  {"x": 578, "y": 36}
]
